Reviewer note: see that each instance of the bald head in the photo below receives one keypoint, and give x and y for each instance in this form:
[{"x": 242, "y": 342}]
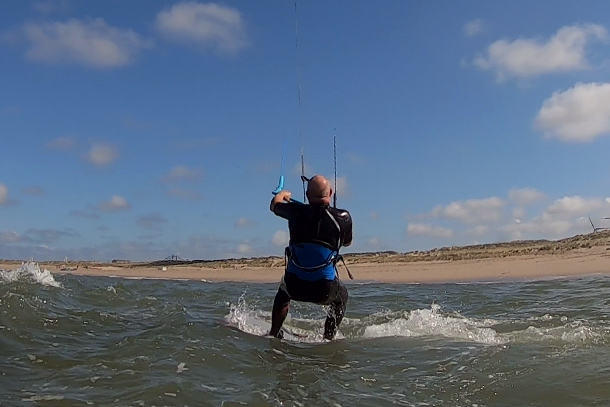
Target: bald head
[{"x": 319, "y": 190}]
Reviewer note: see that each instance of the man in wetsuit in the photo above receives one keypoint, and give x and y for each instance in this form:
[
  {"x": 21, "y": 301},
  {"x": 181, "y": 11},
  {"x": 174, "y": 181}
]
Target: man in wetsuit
[{"x": 317, "y": 232}]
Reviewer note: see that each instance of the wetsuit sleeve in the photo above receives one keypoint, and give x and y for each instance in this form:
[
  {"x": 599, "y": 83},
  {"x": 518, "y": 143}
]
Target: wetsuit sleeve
[{"x": 284, "y": 210}]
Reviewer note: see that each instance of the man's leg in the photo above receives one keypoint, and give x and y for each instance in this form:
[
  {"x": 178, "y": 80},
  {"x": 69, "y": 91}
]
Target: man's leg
[
  {"x": 281, "y": 305},
  {"x": 336, "y": 311}
]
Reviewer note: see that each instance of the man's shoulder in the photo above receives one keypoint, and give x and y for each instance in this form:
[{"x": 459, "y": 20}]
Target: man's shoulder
[{"x": 342, "y": 214}]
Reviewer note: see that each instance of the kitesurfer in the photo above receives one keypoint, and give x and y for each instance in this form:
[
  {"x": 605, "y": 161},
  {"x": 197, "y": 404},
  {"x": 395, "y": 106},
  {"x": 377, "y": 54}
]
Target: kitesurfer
[{"x": 317, "y": 232}]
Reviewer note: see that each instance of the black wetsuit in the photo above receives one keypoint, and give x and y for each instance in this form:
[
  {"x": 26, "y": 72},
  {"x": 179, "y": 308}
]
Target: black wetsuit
[{"x": 325, "y": 226}]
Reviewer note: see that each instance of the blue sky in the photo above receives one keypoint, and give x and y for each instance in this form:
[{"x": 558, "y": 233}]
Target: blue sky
[{"x": 142, "y": 129}]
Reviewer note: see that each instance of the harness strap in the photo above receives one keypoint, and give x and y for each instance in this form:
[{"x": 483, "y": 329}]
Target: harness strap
[
  {"x": 351, "y": 277},
  {"x": 339, "y": 257},
  {"x": 340, "y": 243},
  {"x": 332, "y": 258}
]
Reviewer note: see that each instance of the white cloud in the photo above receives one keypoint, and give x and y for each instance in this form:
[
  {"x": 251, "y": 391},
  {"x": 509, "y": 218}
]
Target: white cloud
[
  {"x": 374, "y": 242},
  {"x": 479, "y": 230},
  {"x": 525, "y": 196},
  {"x": 565, "y": 216},
  {"x": 570, "y": 206},
  {"x": 61, "y": 143},
  {"x": 10, "y": 236},
  {"x": 518, "y": 214},
  {"x": 546, "y": 228},
  {"x": 102, "y": 155},
  {"x": 579, "y": 114},
  {"x": 472, "y": 210},
  {"x": 280, "y": 238},
  {"x": 565, "y": 51},
  {"x": 91, "y": 43},
  {"x": 182, "y": 173},
  {"x": 473, "y": 27},
  {"x": 116, "y": 203},
  {"x": 211, "y": 25},
  {"x": 244, "y": 248},
  {"x": 424, "y": 229},
  {"x": 3, "y": 194}
]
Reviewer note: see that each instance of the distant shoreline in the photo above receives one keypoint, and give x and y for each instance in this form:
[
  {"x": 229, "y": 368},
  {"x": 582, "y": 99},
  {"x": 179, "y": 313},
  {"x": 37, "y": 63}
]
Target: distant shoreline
[{"x": 576, "y": 256}]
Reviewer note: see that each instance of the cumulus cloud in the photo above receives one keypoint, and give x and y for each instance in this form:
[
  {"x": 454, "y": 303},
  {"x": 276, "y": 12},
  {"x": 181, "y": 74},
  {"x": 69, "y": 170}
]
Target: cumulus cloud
[
  {"x": 580, "y": 114},
  {"x": 472, "y": 210},
  {"x": 571, "y": 206},
  {"x": 525, "y": 196},
  {"x": 151, "y": 221},
  {"x": 102, "y": 155},
  {"x": 479, "y": 230},
  {"x": 518, "y": 214},
  {"x": 472, "y": 27},
  {"x": 3, "y": 194},
  {"x": 181, "y": 173},
  {"x": 424, "y": 229},
  {"x": 91, "y": 43},
  {"x": 280, "y": 238},
  {"x": 116, "y": 203},
  {"x": 547, "y": 228},
  {"x": 210, "y": 25},
  {"x": 564, "y": 51},
  {"x": 244, "y": 248},
  {"x": 564, "y": 216},
  {"x": 61, "y": 143}
]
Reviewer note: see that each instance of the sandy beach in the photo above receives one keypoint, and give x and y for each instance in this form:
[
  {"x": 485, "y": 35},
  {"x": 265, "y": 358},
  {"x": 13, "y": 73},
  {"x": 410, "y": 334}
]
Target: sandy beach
[{"x": 578, "y": 256}]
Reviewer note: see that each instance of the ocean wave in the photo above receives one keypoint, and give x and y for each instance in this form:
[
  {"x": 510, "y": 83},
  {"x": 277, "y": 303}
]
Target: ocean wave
[{"x": 29, "y": 272}]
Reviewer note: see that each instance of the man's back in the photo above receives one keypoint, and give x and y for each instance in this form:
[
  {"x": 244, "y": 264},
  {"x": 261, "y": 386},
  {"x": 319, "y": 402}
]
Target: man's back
[{"x": 320, "y": 224}]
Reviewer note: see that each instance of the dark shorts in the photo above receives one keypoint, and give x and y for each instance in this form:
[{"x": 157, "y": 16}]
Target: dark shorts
[{"x": 321, "y": 292}]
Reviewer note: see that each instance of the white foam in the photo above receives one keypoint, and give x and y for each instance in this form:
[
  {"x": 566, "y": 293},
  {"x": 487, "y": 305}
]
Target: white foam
[
  {"x": 256, "y": 322},
  {"x": 574, "y": 332},
  {"x": 431, "y": 322},
  {"x": 29, "y": 271}
]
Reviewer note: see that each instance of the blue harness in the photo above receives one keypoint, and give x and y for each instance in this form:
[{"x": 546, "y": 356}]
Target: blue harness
[{"x": 311, "y": 261}]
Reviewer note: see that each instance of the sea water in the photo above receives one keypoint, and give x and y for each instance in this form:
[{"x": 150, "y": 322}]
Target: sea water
[{"x": 68, "y": 340}]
